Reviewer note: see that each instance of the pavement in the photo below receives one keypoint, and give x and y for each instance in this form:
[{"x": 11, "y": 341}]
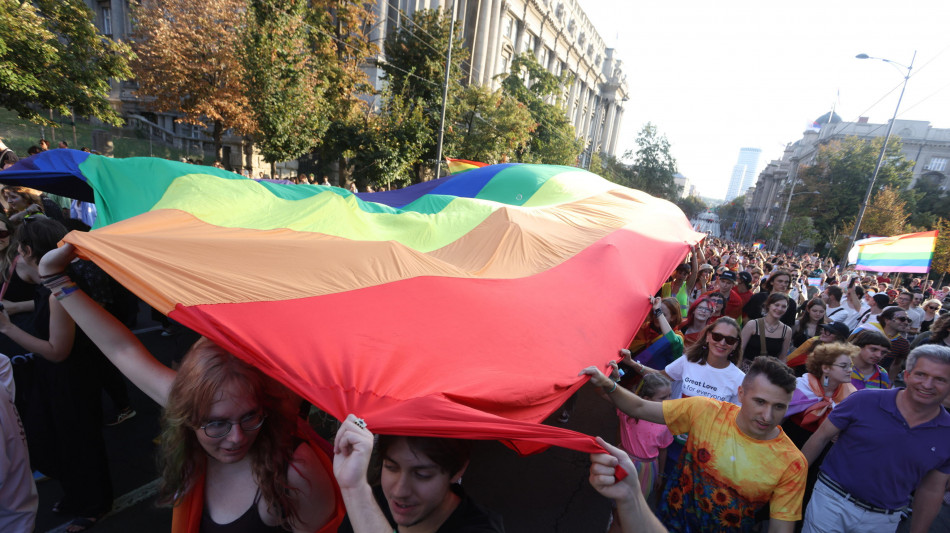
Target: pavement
[{"x": 546, "y": 492}]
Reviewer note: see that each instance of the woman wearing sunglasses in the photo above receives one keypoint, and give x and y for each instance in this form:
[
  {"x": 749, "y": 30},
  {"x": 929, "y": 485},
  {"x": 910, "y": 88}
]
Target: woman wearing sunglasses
[
  {"x": 233, "y": 456},
  {"x": 931, "y": 308}
]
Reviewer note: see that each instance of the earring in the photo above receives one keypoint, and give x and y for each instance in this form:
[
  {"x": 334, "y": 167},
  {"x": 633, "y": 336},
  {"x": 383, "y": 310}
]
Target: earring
[
  {"x": 824, "y": 381},
  {"x": 705, "y": 348}
]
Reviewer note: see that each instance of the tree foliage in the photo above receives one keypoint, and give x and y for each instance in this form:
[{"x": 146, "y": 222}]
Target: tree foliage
[
  {"x": 189, "y": 61},
  {"x": 885, "y": 216},
  {"x": 941, "y": 257},
  {"x": 490, "y": 126},
  {"x": 415, "y": 71},
  {"x": 798, "y": 230},
  {"x": 341, "y": 43},
  {"x": 691, "y": 206},
  {"x": 52, "y": 56},
  {"x": 841, "y": 173},
  {"x": 653, "y": 164},
  {"x": 283, "y": 86},
  {"x": 553, "y": 142}
]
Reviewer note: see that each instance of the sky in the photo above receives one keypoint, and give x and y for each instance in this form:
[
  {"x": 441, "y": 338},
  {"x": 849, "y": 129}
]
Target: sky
[{"x": 715, "y": 77}]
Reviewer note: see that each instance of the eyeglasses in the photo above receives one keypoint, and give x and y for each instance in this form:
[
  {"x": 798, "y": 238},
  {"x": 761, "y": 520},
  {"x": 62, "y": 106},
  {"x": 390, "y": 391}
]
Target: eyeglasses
[
  {"x": 844, "y": 366},
  {"x": 719, "y": 337},
  {"x": 219, "y": 428}
]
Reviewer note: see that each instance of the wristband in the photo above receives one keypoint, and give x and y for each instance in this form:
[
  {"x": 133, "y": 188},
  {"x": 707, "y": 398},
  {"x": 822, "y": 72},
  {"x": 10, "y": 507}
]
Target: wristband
[{"x": 612, "y": 389}]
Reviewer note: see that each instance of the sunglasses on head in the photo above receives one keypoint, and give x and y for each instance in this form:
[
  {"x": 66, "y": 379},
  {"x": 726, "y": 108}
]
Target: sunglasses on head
[{"x": 719, "y": 337}]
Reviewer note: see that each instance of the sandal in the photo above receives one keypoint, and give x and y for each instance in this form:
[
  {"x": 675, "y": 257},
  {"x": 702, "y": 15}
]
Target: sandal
[{"x": 81, "y": 524}]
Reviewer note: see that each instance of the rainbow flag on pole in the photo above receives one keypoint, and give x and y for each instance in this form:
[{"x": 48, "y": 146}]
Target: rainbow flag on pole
[
  {"x": 902, "y": 253},
  {"x": 457, "y": 166}
]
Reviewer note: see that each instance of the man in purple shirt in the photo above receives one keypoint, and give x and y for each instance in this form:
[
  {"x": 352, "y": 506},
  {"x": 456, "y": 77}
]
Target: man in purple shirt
[{"x": 890, "y": 443}]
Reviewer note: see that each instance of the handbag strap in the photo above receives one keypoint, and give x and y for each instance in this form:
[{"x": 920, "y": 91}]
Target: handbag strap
[
  {"x": 760, "y": 325},
  {"x": 6, "y": 282}
]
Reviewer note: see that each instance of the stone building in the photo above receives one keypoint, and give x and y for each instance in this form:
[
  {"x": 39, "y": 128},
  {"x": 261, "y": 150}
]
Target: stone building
[
  {"x": 927, "y": 146},
  {"x": 560, "y": 36}
]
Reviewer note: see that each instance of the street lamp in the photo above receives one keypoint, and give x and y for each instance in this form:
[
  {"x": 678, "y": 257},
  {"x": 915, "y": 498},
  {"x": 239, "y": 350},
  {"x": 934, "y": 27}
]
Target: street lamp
[
  {"x": 781, "y": 227},
  {"x": 887, "y": 135}
]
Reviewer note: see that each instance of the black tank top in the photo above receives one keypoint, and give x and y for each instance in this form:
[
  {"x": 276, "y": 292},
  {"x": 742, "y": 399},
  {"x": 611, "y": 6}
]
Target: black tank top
[{"x": 249, "y": 522}]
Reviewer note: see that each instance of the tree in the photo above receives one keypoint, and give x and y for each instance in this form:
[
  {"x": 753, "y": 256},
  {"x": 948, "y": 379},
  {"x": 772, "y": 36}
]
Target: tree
[
  {"x": 798, "y": 230},
  {"x": 490, "y": 126},
  {"x": 52, "y": 56},
  {"x": 189, "y": 62},
  {"x": 927, "y": 201},
  {"x": 341, "y": 43},
  {"x": 283, "y": 87},
  {"x": 691, "y": 206},
  {"x": 415, "y": 71},
  {"x": 885, "y": 216},
  {"x": 841, "y": 173},
  {"x": 941, "y": 257},
  {"x": 654, "y": 165},
  {"x": 554, "y": 141}
]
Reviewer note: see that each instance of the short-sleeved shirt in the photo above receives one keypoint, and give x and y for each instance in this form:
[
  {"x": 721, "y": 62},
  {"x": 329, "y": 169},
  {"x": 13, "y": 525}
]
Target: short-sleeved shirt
[
  {"x": 877, "y": 457},
  {"x": 641, "y": 438},
  {"x": 703, "y": 380},
  {"x": 878, "y": 379},
  {"x": 724, "y": 476}
]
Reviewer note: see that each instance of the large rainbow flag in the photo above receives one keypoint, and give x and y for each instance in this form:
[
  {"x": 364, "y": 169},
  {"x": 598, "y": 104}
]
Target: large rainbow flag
[
  {"x": 902, "y": 253},
  {"x": 461, "y": 307}
]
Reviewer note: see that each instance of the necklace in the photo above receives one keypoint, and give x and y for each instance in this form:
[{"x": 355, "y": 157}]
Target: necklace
[{"x": 770, "y": 329}]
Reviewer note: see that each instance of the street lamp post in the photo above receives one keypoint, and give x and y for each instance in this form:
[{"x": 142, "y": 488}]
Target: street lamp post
[
  {"x": 887, "y": 135},
  {"x": 788, "y": 203}
]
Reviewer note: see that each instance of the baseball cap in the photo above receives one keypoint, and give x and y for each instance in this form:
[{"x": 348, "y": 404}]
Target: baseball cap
[
  {"x": 838, "y": 329},
  {"x": 728, "y": 276},
  {"x": 745, "y": 277}
]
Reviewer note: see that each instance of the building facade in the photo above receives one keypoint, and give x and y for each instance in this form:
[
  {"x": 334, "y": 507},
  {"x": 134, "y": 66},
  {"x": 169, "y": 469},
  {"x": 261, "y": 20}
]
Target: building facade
[
  {"x": 743, "y": 173},
  {"x": 560, "y": 36},
  {"x": 927, "y": 146}
]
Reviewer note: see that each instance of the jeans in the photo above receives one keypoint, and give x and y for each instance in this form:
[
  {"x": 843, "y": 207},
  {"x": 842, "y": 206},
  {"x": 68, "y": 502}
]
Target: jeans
[{"x": 829, "y": 512}]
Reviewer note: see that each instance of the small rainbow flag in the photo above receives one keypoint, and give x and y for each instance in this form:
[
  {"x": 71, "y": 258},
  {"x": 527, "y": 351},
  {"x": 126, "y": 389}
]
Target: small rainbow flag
[
  {"x": 902, "y": 253},
  {"x": 457, "y": 166},
  {"x": 758, "y": 245}
]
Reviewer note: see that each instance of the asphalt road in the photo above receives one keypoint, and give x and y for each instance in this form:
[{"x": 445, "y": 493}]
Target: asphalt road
[{"x": 547, "y": 492}]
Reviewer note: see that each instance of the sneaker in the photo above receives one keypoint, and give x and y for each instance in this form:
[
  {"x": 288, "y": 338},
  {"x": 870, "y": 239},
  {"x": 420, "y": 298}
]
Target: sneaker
[{"x": 123, "y": 415}]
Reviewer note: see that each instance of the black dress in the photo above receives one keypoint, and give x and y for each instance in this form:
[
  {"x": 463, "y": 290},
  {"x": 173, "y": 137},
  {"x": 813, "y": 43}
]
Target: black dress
[{"x": 63, "y": 421}]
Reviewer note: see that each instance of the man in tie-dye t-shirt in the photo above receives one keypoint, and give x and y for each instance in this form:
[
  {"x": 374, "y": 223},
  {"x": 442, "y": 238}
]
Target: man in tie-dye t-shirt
[{"x": 736, "y": 460}]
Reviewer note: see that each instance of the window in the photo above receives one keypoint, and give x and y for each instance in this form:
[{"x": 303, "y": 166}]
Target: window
[
  {"x": 509, "y": 22},
  {"x": 938, "y": 164},
  {"x": 107, "y": 21},
  {"x": 504, "y": 63},
  {"x": 543, "y": 57},
  {"x": 528, "y": 42}
]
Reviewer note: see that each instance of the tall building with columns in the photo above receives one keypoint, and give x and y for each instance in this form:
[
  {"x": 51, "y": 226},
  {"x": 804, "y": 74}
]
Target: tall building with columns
[{"x": 560, "y": 36}]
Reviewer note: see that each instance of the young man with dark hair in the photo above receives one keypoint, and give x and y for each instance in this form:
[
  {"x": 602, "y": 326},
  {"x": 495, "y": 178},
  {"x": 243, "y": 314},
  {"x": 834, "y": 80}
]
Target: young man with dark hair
[
  {"x": 836, "y": 311},
  {"x": 419, "y": 484},
  {"x": 736, "y": 459},
  {"x": 903, "y": 434}
]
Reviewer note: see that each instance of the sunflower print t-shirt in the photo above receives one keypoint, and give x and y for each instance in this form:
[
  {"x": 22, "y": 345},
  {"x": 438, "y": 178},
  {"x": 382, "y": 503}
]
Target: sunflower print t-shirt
[{"x": 724, "y": 476}]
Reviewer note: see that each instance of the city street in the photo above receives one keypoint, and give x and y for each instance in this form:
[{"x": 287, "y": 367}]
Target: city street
[{"x": 547, "y": 492}]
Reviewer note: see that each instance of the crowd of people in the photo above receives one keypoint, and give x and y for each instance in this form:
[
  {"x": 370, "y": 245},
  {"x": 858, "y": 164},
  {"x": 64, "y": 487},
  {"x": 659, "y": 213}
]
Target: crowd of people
[
  {"x": 762, "y": 391},
  {"x": 800, "y": 397}
]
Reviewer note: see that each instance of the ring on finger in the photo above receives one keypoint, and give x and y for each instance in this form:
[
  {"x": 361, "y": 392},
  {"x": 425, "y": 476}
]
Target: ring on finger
[{"x": 360, "y": 423}]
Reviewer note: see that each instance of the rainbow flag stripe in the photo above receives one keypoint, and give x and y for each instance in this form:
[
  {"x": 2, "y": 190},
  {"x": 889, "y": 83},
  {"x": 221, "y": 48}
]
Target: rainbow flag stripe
[
  {"x": 457, "y": 166},
  {"x": 912, "y": 252},
  {"x": 461, "y": 307}
]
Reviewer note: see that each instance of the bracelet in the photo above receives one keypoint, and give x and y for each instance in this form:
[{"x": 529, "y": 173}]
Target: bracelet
[
  {"x": 612, "y": 389},
  {"x": 65, "y": 291},
  {"x": 56, "y": 280},
  {"x": 53, "y": 275}
]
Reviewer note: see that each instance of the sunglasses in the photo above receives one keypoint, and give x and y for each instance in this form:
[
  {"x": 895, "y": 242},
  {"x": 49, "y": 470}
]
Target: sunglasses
[
  {"x": 719, "y": 337},
  {"x": 903, "y": 319},
  {"x": 4, "y": 234}
]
